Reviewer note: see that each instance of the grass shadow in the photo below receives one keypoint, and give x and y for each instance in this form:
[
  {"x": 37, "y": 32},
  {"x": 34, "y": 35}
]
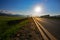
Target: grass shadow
[{"x": 14, "y": 22}]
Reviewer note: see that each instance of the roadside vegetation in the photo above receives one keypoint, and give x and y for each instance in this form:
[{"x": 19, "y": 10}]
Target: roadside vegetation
[{"x": 8, "y": 27}]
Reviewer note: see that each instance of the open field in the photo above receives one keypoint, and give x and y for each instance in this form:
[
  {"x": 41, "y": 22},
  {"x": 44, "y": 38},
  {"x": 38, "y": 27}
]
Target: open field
[{"x": 10, "y": 25}]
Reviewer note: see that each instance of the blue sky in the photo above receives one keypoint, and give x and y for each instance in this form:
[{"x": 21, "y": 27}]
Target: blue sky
[{"x": 51, "y": 7}]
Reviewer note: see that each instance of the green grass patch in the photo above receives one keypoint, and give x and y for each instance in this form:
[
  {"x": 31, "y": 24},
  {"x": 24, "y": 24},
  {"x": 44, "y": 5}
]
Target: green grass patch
[{"x": 6, "y": 31}]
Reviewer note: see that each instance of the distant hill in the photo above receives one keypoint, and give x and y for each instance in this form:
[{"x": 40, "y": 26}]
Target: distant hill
[
  {"x": 4, "y": 14},
  {"x": 9, "y": 13}
]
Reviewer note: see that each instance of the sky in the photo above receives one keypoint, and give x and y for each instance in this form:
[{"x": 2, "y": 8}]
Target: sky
[{"x": 26, "y": 7}]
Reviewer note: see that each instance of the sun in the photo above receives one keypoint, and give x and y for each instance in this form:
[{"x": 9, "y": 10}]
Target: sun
[{"x": 38, "y": 9}]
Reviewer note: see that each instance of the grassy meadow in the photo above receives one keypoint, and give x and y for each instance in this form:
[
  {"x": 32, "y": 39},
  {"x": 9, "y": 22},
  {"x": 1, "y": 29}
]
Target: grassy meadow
[{"x": 6, "y": 30}]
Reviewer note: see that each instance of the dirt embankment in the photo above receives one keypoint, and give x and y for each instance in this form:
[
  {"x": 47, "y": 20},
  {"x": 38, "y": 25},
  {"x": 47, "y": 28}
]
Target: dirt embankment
[{"x": 27, "y": 32}]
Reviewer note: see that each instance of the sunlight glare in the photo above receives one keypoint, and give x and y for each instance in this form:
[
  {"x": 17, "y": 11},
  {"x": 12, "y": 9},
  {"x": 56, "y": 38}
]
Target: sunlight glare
[{"x": 38, "y": 9}]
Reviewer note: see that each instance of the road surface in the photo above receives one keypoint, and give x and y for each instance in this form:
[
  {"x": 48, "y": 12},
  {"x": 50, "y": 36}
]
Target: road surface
[{"x": 51, "y": 25}]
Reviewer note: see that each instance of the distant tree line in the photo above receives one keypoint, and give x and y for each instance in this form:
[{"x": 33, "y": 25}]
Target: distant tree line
[{"x": 48, "y": 16}]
